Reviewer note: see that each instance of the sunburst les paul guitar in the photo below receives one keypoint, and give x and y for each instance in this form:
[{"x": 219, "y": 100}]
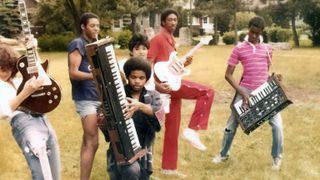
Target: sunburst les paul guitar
[
  {"x": 172, "y": 71},
  {"x": 48, "y": 97}
]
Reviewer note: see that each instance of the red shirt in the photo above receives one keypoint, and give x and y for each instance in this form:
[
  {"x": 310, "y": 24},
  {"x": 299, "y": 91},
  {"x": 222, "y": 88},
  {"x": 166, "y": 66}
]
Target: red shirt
[{"x": 161, "y": 47}]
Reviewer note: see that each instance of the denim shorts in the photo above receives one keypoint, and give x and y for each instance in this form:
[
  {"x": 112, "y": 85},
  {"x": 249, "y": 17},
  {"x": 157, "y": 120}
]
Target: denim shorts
[{"x": 85, "y": 108}]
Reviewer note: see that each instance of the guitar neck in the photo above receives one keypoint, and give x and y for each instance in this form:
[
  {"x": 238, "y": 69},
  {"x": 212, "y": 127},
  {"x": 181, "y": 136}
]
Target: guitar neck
[
  {"x": 31, "y": 52},
  {"x": 190, "y": 53}
]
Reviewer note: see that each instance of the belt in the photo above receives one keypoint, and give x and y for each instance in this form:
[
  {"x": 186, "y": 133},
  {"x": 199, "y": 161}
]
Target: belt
[{"x": 28, "y": 111}]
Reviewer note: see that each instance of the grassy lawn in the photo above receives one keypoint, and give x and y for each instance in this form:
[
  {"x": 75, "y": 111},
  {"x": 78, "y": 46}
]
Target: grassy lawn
[{"x": 250, "y": 155}]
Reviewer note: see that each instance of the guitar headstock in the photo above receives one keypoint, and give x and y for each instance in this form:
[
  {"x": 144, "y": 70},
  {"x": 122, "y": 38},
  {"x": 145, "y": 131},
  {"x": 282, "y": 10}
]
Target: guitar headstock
[{"x": 205, "y": 40}]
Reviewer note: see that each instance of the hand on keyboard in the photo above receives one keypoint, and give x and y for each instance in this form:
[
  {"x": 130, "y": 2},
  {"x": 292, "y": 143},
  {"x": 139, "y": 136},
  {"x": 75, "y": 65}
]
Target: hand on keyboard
[
  {"x": 245, "y": 99},
  {"x": 277, "y": 76},
  {"x": 133, "y": 106}
]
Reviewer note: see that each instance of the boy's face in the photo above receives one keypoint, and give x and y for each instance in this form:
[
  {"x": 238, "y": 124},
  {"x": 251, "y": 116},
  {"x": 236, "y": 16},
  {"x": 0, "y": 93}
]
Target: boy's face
[
  {"x": 137, "y": 79},
  {"x": 170, "y": 23},
  {"x": 254, "y": 34},
  {"x": 91, "y": 30},
  {"x": 140, "y": 51}
]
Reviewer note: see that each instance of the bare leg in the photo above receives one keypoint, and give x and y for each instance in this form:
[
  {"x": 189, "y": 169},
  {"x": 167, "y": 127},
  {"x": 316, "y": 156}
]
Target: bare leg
[{"x": 89, "y": 145}]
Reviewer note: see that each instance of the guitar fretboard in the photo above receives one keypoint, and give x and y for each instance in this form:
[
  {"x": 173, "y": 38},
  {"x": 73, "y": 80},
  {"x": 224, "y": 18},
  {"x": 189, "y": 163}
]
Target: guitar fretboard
[{"x": 31, "y": 52}]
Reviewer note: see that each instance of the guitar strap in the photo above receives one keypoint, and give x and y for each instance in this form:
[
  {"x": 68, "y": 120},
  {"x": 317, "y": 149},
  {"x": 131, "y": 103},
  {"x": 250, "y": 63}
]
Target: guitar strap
[{"x": 41, "y": 153}]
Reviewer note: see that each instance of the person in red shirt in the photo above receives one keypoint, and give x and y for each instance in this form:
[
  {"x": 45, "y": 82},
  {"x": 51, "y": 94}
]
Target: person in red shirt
[{"x": 161, "y": 46}]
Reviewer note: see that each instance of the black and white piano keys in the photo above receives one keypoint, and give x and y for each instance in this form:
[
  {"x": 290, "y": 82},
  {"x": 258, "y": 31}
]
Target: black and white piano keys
[
  {"x": 256, "y": 96},
  {"x": 122, "y": 97}
]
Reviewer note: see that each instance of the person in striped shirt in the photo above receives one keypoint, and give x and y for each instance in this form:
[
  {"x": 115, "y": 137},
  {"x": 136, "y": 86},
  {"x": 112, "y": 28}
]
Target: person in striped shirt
[{"x": 255, "y": 57}]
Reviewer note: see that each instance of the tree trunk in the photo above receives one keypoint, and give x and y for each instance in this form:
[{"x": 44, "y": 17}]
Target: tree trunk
[
  {"x": 235, "y": 28},
  {"x": 294, "y": 30},
  {"x": 71, "y": 8},
  {"x": 152, "y": 18},
  {"x": 134, "y": 27},
  {"x": 216, "y": 35}
]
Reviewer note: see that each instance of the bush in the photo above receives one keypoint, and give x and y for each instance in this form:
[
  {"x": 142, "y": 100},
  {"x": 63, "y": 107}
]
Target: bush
[
  {"x": 265, "y": 37},
  {"x": 57, "y": 42},
  {"x": 228, "y": 38},
  {"x": 121, "y": 38},
  {"x": 277, "y": 34}
]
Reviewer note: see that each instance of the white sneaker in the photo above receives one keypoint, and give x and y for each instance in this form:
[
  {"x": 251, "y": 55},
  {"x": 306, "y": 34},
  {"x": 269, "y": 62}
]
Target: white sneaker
[
  {"x": 193, "y": 137},
  {"x": 276, "y": 163},
  {"x": 171, "y": 172},
  {"x": 218, "y": 159}
]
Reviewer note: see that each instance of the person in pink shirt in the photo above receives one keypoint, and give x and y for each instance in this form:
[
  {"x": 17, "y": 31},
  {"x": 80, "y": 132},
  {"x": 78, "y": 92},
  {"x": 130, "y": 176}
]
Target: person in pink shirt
[
  {"x": 255, "y": 57},
  {"x": 161, "y": 46}
]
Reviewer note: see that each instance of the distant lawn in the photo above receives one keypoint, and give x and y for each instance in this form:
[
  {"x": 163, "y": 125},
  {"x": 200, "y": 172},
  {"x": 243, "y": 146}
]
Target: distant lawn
[{"x": 250, "y": 156}]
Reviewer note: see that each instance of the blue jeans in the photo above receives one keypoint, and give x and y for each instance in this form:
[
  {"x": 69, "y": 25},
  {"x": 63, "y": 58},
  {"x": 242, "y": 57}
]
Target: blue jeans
[
  {"x": 35, "y": 135},
  {"x": 231, "y": 129},
  {"x": 133, "y": 171}
]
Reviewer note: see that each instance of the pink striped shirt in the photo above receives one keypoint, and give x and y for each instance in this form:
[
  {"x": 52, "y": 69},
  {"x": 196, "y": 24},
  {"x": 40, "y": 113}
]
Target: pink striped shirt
[{"x": 255, "y": 60}]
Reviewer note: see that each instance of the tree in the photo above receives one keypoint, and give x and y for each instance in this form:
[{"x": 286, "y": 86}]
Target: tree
[
  {"x": 53, "y": 17},
  {"x": 311, "y": 16},
  {"x": 10, "y": 24},
  {"x": 156, "y": 7},
  {"x": 284, "y": 12},
  {"x": 216, "y": 8},
  {"x": 75, "y": 12},
  {"x": 212, "y": 8}
]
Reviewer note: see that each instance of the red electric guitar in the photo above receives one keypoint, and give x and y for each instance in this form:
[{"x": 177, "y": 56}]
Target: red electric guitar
[{"x": 48, "y": 96}]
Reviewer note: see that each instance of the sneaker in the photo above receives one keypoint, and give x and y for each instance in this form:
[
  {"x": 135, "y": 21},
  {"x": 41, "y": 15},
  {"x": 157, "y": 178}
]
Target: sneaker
[
  {"x": 218, "y": 159},
  {"x": 276, "y": 163},
  {"x": 171, "y": 172},
  {"x": 192, "y": 137}
]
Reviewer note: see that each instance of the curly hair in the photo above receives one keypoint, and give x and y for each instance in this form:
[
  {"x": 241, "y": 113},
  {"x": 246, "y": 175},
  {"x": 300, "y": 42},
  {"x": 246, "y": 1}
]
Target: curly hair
[
  {"x": 257, "y": 22},
  {"x": 137, "y": 40},
  {"x": 134, "y": 64},
  {"x": 8, "y": 59}
]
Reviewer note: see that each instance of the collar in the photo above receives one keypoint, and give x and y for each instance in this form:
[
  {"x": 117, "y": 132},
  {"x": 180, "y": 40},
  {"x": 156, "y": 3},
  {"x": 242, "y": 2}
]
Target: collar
[{"x": 246, "y": 39}]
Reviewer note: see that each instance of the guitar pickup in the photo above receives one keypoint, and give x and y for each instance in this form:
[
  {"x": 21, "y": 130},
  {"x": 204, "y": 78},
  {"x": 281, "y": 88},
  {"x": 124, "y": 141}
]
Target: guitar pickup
[{"x": 38, "y": 95}]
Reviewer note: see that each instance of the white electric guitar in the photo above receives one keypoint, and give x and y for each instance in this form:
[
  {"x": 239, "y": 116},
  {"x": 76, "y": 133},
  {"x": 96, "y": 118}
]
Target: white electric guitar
[{"x": 173, "y": 70}]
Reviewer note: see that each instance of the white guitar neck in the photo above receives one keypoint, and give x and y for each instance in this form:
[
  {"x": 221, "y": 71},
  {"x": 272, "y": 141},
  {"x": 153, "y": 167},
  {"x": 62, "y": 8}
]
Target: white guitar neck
[{"x": 190, "y": 53}]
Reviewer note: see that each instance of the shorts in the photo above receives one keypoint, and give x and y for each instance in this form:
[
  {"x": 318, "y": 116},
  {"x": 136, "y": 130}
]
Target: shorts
[{"x": 85, "y": 108}]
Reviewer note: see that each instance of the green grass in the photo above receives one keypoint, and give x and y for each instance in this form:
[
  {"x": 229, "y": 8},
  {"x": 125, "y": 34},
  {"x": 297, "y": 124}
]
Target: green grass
[{"x": 250, "y": 155}]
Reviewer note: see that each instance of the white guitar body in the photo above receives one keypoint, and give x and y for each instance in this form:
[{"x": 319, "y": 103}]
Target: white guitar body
[
  {"x": 165, "y": 73},
  {"x": 173, "y": 70}
]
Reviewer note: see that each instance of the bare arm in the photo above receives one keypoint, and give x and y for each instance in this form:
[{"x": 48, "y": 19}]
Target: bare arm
[
  {"x": 74, "y": 63},
  {"x": 234, "y": 84},
  {"x": 29, "y": 87}
]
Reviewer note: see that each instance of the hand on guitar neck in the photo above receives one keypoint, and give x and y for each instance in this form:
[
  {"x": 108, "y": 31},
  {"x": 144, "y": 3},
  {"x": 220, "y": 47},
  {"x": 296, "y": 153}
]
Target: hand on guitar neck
[
  {"x": 31, "y": 42},
  {"x": 188, "y": 61}
]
